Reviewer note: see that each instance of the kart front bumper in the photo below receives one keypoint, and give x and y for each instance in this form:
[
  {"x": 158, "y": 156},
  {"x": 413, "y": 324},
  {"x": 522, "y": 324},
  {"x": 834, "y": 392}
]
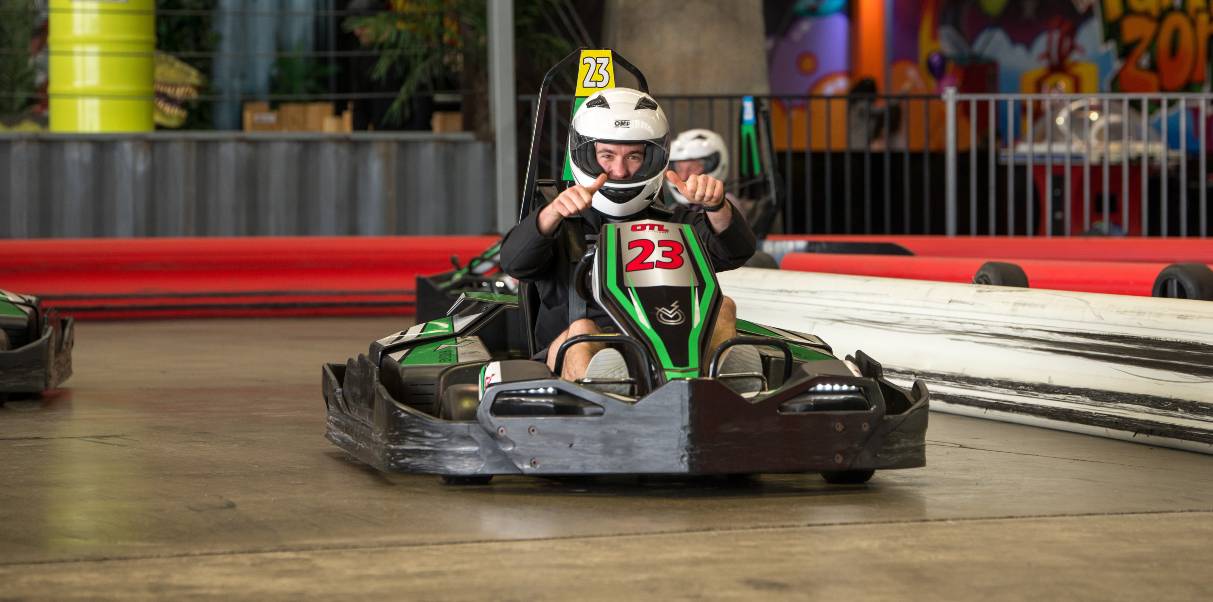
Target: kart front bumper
[{"x": 687, "y": 427}]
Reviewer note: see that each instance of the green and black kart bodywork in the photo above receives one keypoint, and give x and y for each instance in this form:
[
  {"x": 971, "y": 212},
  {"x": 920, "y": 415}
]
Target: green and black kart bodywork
[
  {"x": 482, "y": 274},
  {"x": 35, "y": 346},
  {"x": 439, "y": 398},
  {"x": 436, "y": 399}
]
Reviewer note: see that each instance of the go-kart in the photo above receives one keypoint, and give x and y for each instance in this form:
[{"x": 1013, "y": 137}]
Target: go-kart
[
  {"x": 432, "y": 399},
  {"x": 35, "y": 346},
  {"x": 438, "y": 398}
]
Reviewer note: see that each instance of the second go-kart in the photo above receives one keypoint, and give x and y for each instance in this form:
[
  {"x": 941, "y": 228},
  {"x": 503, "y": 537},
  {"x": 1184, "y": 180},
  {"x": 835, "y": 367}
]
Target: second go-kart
[
  {"x": 440, "y": 399},
  {"x": 481, "y": 274},
  {"x": 35, "y": 346}
]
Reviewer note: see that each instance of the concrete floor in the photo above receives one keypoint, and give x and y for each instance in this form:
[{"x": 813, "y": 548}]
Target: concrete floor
[{"x": 187, "y": 459}]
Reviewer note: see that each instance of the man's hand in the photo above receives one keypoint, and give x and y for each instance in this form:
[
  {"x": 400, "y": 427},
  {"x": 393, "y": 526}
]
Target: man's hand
[
  {"x": 572, "y": 201},
  {"x": 700, "y": 189},
  {"x": 707, "y": 192}
]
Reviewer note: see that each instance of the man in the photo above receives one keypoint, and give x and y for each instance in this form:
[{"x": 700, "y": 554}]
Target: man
[
  {"x": 695, "y": 152},
  {"x": 618, "y": 147}
]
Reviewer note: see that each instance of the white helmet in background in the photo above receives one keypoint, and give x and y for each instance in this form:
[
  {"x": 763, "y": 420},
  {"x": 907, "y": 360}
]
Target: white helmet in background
[
  {"x": 620, "y": 116},
  {"x": 699, "y": 145}
]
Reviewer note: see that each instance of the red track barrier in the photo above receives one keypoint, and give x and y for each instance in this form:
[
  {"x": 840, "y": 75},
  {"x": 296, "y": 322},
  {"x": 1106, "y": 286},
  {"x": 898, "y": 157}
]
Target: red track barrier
[
  {"x": 1162, "y": 250},
  {"x": 1117, "y": 278},
  {"x": 196, "y": 277}
]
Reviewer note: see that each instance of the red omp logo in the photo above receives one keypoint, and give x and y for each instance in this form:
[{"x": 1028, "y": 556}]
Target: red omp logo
[{"x": 649, "y": 227}]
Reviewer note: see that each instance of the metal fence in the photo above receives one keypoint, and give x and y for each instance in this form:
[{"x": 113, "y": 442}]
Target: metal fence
[
  {"x": 1107, "y": 164},
  {"x": 834, "y": 178},
  {"x": 1078, "y": 164},
  {"x": 233, "y": 184}
]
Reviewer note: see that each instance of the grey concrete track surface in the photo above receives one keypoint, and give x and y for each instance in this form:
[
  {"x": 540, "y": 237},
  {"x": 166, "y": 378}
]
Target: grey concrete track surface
[{"x": 187, "y": 459}]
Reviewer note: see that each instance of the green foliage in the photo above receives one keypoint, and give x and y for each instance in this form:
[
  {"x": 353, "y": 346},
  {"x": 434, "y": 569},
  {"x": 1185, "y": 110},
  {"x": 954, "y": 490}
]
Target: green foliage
[
  {"x": 16, "y": 69},
  {"x": 300, "y": 76},
  {"x": 191, "y": 35},
  {"x": 430, "y": 41}
]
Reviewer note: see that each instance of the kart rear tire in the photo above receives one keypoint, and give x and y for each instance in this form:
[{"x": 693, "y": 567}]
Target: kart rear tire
[
  {"x": 847, "y": 477},
  {"x": 998, "y": 273},
  {"x": 1184, "y": 281},
  {"x": 460, "y": 480},
  {"x": 3, "y": 341}
]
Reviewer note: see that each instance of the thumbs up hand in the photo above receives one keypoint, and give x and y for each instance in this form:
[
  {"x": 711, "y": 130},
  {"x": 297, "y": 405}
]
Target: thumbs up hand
[
  {"x": 572, "y": 201},
  {"x": 700, "y": 189}
]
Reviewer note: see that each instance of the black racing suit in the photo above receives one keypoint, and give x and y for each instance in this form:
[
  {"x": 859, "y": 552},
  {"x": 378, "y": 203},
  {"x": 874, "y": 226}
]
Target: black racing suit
[{"x": 549, "y": 261}]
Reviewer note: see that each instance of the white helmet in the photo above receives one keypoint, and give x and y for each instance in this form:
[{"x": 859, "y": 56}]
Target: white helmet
[
  {"x": 620, "y": 116},
  {"x": 699, "y": 145}
]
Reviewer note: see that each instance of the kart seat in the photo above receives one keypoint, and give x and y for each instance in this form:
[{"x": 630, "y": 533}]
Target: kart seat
[
  {"x": 20, "y": 330},
  {"x": 420, "y": 385},
  {"x": 519, "y": 370},
  {"x": 412, "y": 386}
]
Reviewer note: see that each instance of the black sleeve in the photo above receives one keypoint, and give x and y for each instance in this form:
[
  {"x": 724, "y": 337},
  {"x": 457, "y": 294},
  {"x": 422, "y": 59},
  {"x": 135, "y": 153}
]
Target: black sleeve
[
  {"x": 732, "y": 247},
  {"x": 526, "y": 253}
]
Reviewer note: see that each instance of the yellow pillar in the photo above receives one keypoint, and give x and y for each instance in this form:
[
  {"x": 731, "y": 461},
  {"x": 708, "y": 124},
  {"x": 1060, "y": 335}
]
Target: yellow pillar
[{"x": 101, "y": 65}]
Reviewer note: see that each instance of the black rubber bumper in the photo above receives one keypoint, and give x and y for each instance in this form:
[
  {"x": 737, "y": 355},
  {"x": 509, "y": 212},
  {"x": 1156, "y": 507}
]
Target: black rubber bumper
[
  {"x": 685, "y": 427},
  {"x": 42, "y": 364}
]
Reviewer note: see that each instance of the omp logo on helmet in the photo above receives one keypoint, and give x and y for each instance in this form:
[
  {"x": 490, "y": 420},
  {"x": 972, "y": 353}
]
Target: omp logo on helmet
[
  {"x": 671, "y": 316},
  {"x": 623, "y": 123}
]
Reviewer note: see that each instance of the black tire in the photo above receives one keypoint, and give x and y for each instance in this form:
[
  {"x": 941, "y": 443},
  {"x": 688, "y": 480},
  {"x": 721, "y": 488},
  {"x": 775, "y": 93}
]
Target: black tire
[
  {"x": 476, "y": 479},
  {"x": 847, "y": 477},
  {"x": 3, "y": 341},
  {"x": 762, "y": 261},
  {"x": 998, "y": 273},
  {"x": 1184, "y": 281}
]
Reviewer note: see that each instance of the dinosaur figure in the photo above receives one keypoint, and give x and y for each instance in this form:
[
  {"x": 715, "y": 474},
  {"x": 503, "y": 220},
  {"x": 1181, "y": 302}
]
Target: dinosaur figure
[{"x": 175, "y": 83}]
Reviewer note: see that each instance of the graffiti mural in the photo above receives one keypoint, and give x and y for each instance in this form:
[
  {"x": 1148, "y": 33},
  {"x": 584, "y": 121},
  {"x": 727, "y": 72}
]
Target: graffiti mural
[
  {"x": 812, "y": 56},
  {"x": 1000, "y": 46},
  {"x": 1060, "y": 45},
  {"x": 983, "y": 46},
  {"x": 1162, "y": 46},
  {"x": 1039, "y": 46},
  {"x": 809, "y": 54}
]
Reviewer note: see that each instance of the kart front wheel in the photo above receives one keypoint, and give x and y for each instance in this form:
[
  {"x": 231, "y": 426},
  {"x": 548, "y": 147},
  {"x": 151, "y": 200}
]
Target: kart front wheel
[
  {"x": 847, "y": 477},
  {"x": 476, "y": 479}
]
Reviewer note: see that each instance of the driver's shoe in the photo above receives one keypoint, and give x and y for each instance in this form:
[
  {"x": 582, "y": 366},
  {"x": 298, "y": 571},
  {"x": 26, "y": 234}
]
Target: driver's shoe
[
  {"x": 741, "y": 369},
  {"x": 607, "y": 365}
]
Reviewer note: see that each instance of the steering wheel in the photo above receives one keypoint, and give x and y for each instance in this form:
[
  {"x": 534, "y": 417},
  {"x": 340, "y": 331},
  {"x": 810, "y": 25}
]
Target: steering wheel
[{"x": 581, "y": 276}]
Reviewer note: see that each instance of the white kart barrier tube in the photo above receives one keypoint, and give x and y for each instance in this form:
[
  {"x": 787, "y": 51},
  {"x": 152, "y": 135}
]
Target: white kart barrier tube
[{"x": 1132, "y": 368}]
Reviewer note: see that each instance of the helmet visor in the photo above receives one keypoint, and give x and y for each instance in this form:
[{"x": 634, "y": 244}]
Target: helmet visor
[
  {"x": 708, "y": 163},
  {"x": 590, "y": 154}
]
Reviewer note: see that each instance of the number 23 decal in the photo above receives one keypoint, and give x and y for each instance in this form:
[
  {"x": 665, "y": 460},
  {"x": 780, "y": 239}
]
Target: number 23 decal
[
  {"x": 670, "y": 256},
  {"x": 596, "y": 75}
]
